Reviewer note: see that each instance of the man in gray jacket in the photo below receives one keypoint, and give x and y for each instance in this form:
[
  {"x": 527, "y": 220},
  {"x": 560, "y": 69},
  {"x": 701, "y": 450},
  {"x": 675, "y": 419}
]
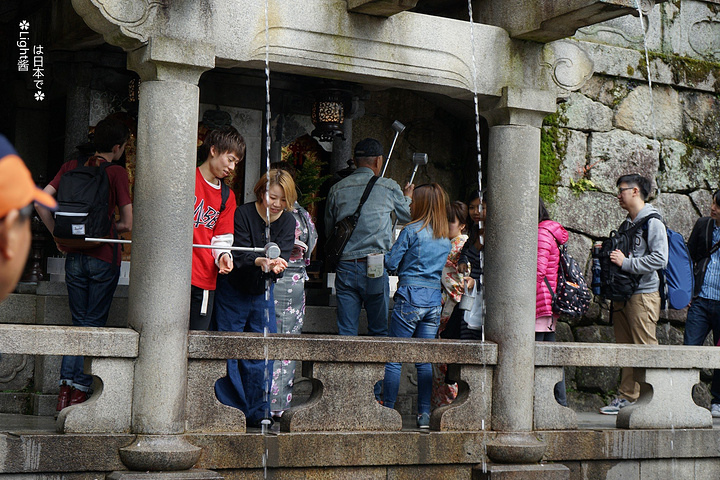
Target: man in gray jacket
[{"x": 635, "y": 320}]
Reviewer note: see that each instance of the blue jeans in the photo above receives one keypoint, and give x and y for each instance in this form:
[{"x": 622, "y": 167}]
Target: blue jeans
[
  {"x": 247, "y": 384},
  {"x": 703, "y": 317},
  {"x": 416, "y": 322},
  {"x": 91, "y": 285},
  {"x": 560, "y": 392},
  {"x": 353, "y": 288}
]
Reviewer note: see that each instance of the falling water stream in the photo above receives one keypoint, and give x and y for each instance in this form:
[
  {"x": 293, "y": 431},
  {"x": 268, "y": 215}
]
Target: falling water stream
[{"x": 481, "y": 238}]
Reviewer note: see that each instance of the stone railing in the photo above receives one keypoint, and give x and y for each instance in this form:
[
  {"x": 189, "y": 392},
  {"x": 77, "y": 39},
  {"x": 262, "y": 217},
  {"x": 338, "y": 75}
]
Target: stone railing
[
  {"x": 343, "y": 371},
  {"x": 109, "y": 355},
  {"x": 666, "y": 375}
]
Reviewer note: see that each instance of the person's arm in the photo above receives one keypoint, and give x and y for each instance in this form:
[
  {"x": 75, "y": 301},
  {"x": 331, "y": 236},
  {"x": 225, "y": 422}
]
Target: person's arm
[
  {"x": 223, "y": 236},
  {"x": 46, "y": 215},
  {"x": 126, "y": 218},
  {"x": 243, "y": 238},
  {"x": 401, "y": 245},
  {"x": 657, "y": 245},
  {"x": 696, "y": 242},
  {"x": 330, "y": 213},
  {"x": 402, "y": 201}
]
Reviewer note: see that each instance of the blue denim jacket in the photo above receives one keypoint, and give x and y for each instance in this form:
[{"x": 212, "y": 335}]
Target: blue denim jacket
[
  {"x": 418, "y": 257},
  {"x": 373, "y": 233}
]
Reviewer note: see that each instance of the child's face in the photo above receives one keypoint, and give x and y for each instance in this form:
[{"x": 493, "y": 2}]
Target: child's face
[
  {"x": 477, "y": 214},
  {"x": 221, "y": 164},
  {"x": 456, "y": 228}
]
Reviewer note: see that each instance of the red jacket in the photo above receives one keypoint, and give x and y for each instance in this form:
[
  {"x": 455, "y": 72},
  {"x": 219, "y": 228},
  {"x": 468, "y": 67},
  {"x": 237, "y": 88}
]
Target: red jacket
[{"x": 547, "y": 266}]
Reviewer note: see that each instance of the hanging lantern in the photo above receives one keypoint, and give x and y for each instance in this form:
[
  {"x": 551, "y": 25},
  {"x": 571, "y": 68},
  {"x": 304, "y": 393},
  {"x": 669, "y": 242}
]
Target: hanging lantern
[{"x": 328, "y": 115}]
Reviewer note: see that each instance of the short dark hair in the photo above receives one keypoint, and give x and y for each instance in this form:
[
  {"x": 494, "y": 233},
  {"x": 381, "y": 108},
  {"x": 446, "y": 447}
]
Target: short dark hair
[
  {"x": 225, "y": 139},
  {"x": 542, "y": 211},
  {"x": 716, "y": 197},
  {"x": 108, "y": 133},
  {"x": 457, "y": 210},
  {"x": 636, "y": 180}
]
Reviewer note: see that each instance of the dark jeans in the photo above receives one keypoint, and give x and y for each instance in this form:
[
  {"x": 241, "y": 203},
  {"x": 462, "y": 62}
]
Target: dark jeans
[
  {"x": 247, "y": 384},
  {"x": 560, "y": 393},
  {"x": 91, "y": 285},
  {"x": 198, "y": 321},
  {"x": 703, "y": 317}
]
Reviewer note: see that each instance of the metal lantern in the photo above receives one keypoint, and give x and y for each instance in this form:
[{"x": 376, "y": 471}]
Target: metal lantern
[{"x": 328, "y": 115}]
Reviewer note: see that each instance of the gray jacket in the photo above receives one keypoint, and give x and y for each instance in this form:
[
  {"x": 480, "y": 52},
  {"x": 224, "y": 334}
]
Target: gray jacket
[{"x": 648, "y": 257}]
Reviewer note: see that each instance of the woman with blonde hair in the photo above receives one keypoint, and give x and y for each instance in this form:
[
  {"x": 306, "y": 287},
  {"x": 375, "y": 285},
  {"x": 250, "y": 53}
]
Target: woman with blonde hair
[
  {"x": 418, "y": 255},
  {"x": 244, "y": 300}
]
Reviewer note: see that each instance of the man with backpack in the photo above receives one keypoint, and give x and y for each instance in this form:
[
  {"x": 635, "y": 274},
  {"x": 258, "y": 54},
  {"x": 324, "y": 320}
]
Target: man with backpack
[
  {"x": 213, "y": 219},
  {"x": 704, "y": 313},
  {"x": 635, "y": 319},
  {"x": 91, "y": 271}
]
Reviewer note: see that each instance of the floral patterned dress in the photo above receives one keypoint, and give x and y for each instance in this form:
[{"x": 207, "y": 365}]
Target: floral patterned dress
[
  {"x": 442, "y": 393},
  {"x": 289, "y": 296}
]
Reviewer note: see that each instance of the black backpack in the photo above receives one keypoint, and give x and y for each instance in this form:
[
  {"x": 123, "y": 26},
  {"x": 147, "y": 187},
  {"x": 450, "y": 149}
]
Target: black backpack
[
  {"x": 572, "y": 296},
  {"x": 616, "y": 285},
  {"x": 83, "y": 198}
]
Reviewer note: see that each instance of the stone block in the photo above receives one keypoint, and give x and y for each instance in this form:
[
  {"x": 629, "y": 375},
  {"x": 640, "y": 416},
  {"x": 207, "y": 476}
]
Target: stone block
[
  {"x": 548, "y": 414},
  {"x": 109, "y": 408},
  {"x": 597, "y": 379},
  {"x": 16, "y": 371},
  {"x": 426, "y": 472},
  {"x": 44, "y": 405},
  {"x": 47, "y": 373},
  {"x": 702, "y": 200},
  {"x": 192, "y": 474},
  {"x": 574, "y": 160},
  {"x": 584, "y": 402},
  {"x": 659, "y": 118},
  {"x": 521, "y": 472},
  {"x": 203, "y": 411},
  {"x": 593, "y": 213},
  {"x": 701, "y": 395},
  {"x": 669, "y": 335},
  {"x": 15, "y": 402},
  {"x": 686, "y": 167},
  {"x": 706, "y": 468},
  {"x": 701, "y": 118},
  {"x": 472, "y": 409},
  {"x": 620, "y": 152},
  {"x": 54, "y": 340},
  {"x": 582, "y": 113},
  {"x": 665, "y": 401},
  {"x": 381, "y": 8},
  {"x": 17, "y": 308},
  {"x": 669, "y": 469},
  {"x": 330, "y": 408},
  {"x": 677, "y": 211}
]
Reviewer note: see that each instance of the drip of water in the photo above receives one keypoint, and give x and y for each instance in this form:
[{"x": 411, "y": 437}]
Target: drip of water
[
  {"x": 647, "y": 62},
  {"x": 481, "y": 282}
]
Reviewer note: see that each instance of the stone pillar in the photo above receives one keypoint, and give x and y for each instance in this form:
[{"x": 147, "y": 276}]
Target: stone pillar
[
  {"x": 510, "y": 266},
  {"x": 162, "y": 248}
]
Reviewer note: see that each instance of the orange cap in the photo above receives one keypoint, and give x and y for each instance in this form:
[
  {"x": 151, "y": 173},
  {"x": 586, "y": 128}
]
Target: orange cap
[{"x": 17, "y": 189}]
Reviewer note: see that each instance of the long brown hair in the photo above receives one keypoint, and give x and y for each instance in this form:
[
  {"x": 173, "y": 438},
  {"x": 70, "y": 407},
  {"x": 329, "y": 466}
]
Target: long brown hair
[{"x": 429, "y": 206}]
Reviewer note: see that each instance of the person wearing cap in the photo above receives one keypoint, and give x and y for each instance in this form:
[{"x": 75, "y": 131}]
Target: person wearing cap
[
  {"x": 17, "y": 195},
  {"x": 92, "y": 274},
  {"x": 372, "y": 235}
]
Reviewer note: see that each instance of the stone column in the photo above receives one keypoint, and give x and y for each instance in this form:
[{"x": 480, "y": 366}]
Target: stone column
[
  {"x": 510, "y": 266},
  {"x": 162, "y": 248}
]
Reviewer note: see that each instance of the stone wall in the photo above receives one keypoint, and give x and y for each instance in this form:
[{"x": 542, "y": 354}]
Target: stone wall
[{"x": 615, "y": 124}]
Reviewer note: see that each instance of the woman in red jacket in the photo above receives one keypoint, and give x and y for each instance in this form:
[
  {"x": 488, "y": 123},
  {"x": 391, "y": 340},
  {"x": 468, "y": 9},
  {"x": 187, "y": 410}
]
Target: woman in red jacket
[{"x": 550, "y": 235}]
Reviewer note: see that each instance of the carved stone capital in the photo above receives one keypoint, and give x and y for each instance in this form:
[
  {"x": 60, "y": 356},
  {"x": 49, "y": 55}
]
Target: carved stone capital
[
  {"x": 165, "y": 58},
  {"x": 521, "y": 106}
]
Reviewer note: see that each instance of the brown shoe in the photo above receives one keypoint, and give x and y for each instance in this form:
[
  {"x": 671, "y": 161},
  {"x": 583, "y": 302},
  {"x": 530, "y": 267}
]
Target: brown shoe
[
  {"x": 64, "y": 397},
  {"x": 77, "y": 396}
]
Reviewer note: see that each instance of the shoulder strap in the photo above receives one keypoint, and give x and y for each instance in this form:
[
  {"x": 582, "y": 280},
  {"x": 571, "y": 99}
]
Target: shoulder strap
[
  {"x": 714, "y": 248},
  {"x": 224, "y": 195},
  {"x": 366, "y": 194}
]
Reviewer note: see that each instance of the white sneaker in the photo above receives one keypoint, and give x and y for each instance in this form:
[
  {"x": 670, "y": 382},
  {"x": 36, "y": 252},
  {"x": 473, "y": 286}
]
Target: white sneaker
[
  {"x": 617, "y": 403},
  {"x": 715, "y": 410}
]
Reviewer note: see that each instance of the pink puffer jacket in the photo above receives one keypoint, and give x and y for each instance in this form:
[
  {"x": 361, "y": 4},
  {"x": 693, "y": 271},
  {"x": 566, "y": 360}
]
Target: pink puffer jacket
[{"x": 547, "y": 266}]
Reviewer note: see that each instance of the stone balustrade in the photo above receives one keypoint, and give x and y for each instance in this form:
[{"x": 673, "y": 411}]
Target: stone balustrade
[
  {"x": 109, "y": 355},
  {"x": 343, "y": 370},
  {"x": 666, "y": 375}
]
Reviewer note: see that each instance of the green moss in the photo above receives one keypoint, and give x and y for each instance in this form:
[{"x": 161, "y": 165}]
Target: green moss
[
  {"x": 630, "y": 71},
  {"x": 685, "y": 70},
  {"x": 552, "y": 152}
]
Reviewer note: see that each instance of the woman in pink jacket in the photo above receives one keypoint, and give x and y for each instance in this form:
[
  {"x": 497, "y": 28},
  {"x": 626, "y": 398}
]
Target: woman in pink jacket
[{"x": 550, "y": 235}]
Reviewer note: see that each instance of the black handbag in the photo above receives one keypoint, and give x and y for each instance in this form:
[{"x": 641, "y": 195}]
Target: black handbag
[{"x": 343, "y": 230}]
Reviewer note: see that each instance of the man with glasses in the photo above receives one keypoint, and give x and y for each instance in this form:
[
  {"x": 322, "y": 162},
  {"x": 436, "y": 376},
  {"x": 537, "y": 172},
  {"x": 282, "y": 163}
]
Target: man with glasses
[
  {"x": 17, "y": 195},
  {"x": 92, "y": 274},
  {"x": 704, "y": 313},
  {"x": 635, "y": 320}
]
